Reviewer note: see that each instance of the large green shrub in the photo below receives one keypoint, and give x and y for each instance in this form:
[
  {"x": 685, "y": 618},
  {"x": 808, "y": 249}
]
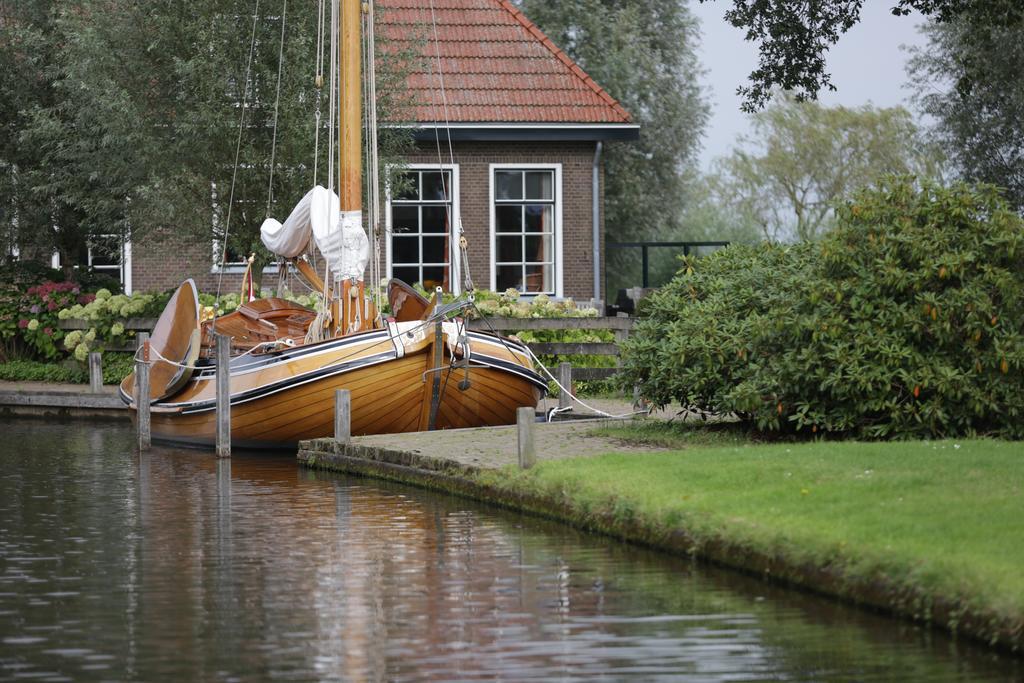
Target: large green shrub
[{"x": 906, "y": 321}]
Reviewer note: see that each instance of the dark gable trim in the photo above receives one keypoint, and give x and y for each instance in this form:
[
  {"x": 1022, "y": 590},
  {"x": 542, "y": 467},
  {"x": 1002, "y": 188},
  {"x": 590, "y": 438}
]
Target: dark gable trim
[{"x": 511, "y": 132}]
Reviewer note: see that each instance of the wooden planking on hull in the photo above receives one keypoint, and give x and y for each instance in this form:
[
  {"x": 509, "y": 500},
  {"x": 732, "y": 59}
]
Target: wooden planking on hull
[
  {"x": 284, "y": 370},
  {"x": 511, "y": 386},
  {"x": 389, "y": 396},
  {"x": 473, "y": 407},
  {"x": 366, "y": 416},
  {"x": 363, "y": 381},
  {"x": 308, "y": 411}
]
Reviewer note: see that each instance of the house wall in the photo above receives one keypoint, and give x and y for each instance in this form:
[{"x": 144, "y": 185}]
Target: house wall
[
  {"x": 577, "y": 158},
  {"x": 162, "y": 264}
]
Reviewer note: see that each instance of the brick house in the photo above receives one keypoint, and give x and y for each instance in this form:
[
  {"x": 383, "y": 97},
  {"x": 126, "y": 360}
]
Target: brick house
[{"x": 523, "y": 176}]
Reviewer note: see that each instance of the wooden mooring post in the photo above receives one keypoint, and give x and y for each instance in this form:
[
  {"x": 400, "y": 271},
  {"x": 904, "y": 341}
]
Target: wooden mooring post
[
  {"x": 95, "y": 372},
  {"x": 565, "y": 379},
  {"x": 142, "y": 392},
  {"x": 525, "y": 419},
  {"x": 343, "y": 416},
  {"x": 223, "y": 396}
]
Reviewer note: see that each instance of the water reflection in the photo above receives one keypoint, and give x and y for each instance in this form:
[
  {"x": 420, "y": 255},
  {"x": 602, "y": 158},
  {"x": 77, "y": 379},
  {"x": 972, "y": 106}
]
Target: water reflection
[{"x": 173, "y": 565}]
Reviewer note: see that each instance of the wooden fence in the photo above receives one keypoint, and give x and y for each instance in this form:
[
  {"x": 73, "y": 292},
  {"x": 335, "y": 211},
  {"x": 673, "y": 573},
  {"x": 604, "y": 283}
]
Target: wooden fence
[{"x": 619, "y": 326}]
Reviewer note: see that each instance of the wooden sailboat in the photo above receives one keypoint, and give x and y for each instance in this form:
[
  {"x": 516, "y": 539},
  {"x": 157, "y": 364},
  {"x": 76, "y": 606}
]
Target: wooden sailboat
[{"x": 420, "y": 369}]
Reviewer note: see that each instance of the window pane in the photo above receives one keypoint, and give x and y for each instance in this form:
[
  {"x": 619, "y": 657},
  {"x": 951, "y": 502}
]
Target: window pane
[
  {"x": 435, "y": 219},
  {"x": 539, "y": 218},
  {"x": 509, "y": 277},
  {"x": 539, "y": 279},
  {"x": 434, "y": 276},
  {"x": 408, "y": 187},
  {"x": 508, "y": 184},
  {"x": 435, "y": 186},
  {"x": 232, "y": 256},
  {"x": 510, "y": 249},
  {"x": 538, "y": 249},
  {"x": 540, "y": 185},
  {"x": 406, "y": 274},
  {"x": 510, "y": 218},
  {"x": 435, "y": 250},
  {"x": 405, "y": 250},
  {"x": 405, "y": 219},
  {"x": 105, "y": 251}
]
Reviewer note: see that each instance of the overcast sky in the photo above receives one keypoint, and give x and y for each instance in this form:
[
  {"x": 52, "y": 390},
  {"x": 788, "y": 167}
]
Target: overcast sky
[{"x": 867, "y": 66}]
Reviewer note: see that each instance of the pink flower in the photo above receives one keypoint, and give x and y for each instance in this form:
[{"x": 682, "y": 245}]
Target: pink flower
[
  {"x": 47, "y": 331},
  {"x": 23, "y": 323}
]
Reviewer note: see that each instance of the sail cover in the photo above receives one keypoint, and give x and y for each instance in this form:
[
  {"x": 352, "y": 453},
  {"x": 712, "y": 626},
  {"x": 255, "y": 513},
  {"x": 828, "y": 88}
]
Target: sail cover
[
  {"x": 290, "y": 239},
  {"x": 338, "y": 235}
]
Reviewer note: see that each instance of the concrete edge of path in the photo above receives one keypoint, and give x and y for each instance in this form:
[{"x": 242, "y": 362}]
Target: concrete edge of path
[{"x": 59, "y": 400}]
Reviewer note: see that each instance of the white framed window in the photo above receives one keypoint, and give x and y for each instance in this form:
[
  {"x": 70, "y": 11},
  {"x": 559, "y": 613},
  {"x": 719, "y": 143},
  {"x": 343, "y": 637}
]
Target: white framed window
[
  {"x": 108, "y": 254},
  {"x": 234, "y": 262},
  {"x": 422, "y": 224},
  {"x": 105, "y": 254},
  {"x": 112, "y": 255},
  {"x": 526, "y": 228}
]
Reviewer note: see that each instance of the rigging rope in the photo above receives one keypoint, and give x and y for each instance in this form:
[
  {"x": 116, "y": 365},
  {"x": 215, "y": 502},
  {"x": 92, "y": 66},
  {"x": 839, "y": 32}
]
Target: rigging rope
[
  {"x": 238, "y": 149},
  {"x": 549, "y": 374},
  {"x": 317, "y": 328},
  {"x": 318, "y": 81},
  {"x": 373, "y": 155},
  {"x": 462, "y": 241},
  {"x": 277, "y": 102}
]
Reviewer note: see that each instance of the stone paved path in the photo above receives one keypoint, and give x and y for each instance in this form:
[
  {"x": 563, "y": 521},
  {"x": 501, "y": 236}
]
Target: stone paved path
[{"x": 495, "y": 447}]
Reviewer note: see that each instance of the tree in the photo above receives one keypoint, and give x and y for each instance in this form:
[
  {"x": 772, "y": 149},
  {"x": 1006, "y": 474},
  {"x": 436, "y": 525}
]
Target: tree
[
  {"x": 802, "y": 157},
  {"x": 794, "y": 37},
  {"x": 37, "y": 219},
  {"x": 968, "y": 81},
  {"x": 644, "y": 54},
  {"x": 143, "y": 131}
]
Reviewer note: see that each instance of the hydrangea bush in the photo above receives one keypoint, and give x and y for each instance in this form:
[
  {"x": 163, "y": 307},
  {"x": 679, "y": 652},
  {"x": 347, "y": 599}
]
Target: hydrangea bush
[
  {"x": 30, "y": 316},
  {"x": 106, "y": 315}
]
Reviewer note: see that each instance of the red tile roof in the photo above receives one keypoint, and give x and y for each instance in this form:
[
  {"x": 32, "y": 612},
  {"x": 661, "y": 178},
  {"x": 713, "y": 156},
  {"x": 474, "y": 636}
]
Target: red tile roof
[{"x": 497, "y": 66}]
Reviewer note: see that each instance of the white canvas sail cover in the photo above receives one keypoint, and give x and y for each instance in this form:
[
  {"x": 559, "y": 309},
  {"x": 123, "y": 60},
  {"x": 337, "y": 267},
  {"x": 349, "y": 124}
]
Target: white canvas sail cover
[
  {"x": 290, "y": 239},
  {"x": 339, "y": 236}
]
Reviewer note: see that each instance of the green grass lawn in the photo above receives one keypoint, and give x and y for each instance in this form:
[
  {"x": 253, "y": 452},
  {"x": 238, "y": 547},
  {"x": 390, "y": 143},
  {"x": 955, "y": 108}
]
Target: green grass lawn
[{"x": 942, "y": 518}]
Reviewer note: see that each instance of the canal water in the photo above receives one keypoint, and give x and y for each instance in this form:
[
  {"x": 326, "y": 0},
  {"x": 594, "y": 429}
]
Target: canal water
[{"x": 174, "y": 567}]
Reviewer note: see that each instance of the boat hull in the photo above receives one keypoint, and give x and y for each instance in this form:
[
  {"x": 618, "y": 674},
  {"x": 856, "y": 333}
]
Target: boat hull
[{"x": 395, "y": 387}]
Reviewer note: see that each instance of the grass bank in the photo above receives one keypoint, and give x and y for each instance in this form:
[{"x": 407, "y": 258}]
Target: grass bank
[{"x": 930, "y": 530}]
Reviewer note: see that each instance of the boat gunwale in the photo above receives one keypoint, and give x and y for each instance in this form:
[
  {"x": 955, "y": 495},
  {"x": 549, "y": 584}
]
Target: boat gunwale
[{"x": 327, "y": 371}]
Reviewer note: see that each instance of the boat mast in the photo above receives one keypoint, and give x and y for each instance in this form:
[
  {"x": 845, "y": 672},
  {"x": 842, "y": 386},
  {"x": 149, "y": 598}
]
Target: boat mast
[
  {"x": 350, "y": 150},
  {"x": 350, "y": 183}
]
